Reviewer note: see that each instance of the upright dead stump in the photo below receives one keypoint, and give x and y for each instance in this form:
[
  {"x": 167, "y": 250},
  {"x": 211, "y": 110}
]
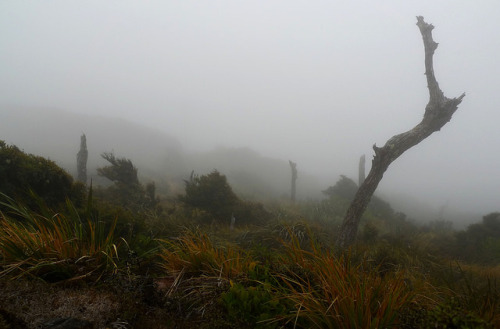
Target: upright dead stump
[{"x": 81, "y": 160}]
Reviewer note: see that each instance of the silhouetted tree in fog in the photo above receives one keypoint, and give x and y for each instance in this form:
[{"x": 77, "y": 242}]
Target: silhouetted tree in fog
[
  {"x": 121, "y": 170},
  {"x": 126, "y": 191},
  {"x": 438, "y": 112}
]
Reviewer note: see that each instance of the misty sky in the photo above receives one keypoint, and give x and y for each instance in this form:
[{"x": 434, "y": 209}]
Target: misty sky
[{"x": 317, "y": 82}]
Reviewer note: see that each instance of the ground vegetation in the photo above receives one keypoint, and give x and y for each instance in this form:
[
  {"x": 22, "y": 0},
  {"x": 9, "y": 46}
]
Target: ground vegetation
[{"x": 180, "y": 265}]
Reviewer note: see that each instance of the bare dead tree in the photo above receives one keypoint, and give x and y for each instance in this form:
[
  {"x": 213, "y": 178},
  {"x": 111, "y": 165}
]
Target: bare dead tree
[
  {"x": 438, "y": 112},
  {"x": 293, "y": 166},
  {"x": 81, "y": 160},
  {"x": 361, "y": 170}
]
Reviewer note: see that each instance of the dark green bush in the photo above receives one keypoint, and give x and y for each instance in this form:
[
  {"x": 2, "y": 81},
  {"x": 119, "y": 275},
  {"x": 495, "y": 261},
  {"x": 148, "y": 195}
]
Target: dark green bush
[
  {"x": 346, "y": 189},
  {"x": 21, "y": 172},
  {"x": 213, "y": 195},
  {"x": 480, "y": 242}
]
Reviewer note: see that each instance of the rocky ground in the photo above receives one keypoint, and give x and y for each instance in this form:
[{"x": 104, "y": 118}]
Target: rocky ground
[{"x": 112, "y": 304}]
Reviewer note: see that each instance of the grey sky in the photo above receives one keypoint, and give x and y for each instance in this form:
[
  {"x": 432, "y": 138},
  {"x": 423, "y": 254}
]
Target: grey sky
[{"x": 317, "y": 82}]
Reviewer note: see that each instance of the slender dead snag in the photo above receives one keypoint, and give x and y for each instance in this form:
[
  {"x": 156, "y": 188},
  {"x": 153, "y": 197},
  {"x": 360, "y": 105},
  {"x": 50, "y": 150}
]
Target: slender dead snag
[
  {"x": 81, "y": 160},
  {"x": 438, "y": 112},
  {"x": 293, "y": 166}
]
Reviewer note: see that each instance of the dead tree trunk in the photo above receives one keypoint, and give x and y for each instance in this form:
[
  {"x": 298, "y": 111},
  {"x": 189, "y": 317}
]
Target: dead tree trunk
[
  {"x": 438, "y": 112},
  {"x": 293, "y": 166},
  {"x": 361, "y": 170},
  {"x": 81, "y": 160}
]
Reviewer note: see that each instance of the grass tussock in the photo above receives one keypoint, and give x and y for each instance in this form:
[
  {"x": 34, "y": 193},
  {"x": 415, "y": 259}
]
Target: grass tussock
[
  {"x": 195, "y": 253},
  {"x": 58, "y": 247},
  {"x": 329, "y": 291}
]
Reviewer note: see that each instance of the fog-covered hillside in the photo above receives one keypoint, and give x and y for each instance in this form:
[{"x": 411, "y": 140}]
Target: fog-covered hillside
[
  {"x": 160, "y": 157},
  {"x": 56, "y": 134},
  {"x": 255, "y": 176}
]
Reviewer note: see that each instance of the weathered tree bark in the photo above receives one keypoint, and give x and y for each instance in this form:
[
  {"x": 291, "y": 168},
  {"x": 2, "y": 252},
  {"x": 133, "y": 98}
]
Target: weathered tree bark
[
  {"x": 81, "y": 160},
  {"x": 438, "y": 112},
  {"x": 293, "y": 166},
  {"x": 361, "y": 170}
]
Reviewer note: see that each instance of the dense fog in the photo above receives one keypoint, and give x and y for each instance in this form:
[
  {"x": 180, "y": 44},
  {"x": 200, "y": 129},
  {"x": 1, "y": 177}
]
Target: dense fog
[{"x": 191, "y": 85}]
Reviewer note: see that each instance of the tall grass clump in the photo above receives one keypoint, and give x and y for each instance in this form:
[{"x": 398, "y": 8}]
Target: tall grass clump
[
  {"x": 330, "y": 291},
  {"x": 56, "y": 247},
  {"x": 194, "y": 253}
]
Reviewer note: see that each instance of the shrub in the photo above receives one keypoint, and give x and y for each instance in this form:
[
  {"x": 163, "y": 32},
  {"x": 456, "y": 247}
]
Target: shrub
[
  {"x": 345, "y": 189},
  {"x": 213, "y": 195},
  {"x": 480, "y": 242},
  {"x": 21, "y": 172}
]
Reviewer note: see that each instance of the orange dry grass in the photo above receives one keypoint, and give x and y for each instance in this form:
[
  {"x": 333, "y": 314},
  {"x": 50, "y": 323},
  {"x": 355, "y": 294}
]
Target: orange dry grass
[
  {"x": 194, "y": 253},
  {"x": 329, "y": 292},
  {"x": 57, "y": 241}
]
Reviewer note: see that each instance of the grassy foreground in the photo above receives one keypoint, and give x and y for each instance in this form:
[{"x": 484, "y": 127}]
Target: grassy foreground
[{"x": 280, "y": 275}]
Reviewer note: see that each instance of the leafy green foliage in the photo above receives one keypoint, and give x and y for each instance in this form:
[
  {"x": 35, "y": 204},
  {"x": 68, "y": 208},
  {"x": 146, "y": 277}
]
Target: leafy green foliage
[
  {"x": 345, "y": 188},
  {"x": 379, "y": 218},
  {"x": 126, "y": 192},
  {"x": 451, "y": 316},
  {"x": 213, "y": 195},
  {"x": 121, "y": 170},
  {"x": 479, "y": 243},
  {"x": 21, "y": 172},
  {"x": 257, "y": 305}
]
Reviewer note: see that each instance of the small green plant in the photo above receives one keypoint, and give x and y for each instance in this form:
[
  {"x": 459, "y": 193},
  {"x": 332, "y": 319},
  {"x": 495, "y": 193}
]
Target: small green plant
[
  {"x": 450, "y": 315},
  {"x": 473, "y": 288},
  {"x": 256, "y": 305}
]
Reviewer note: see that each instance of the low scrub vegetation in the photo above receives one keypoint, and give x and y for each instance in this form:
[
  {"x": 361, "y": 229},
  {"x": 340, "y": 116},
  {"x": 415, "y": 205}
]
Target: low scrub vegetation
[{"x": 182, "y": 263}]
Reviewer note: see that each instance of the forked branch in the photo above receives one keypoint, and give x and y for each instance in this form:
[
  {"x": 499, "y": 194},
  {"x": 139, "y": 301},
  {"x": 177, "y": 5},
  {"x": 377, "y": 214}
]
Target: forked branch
[{"x": 438, "y": 112}]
